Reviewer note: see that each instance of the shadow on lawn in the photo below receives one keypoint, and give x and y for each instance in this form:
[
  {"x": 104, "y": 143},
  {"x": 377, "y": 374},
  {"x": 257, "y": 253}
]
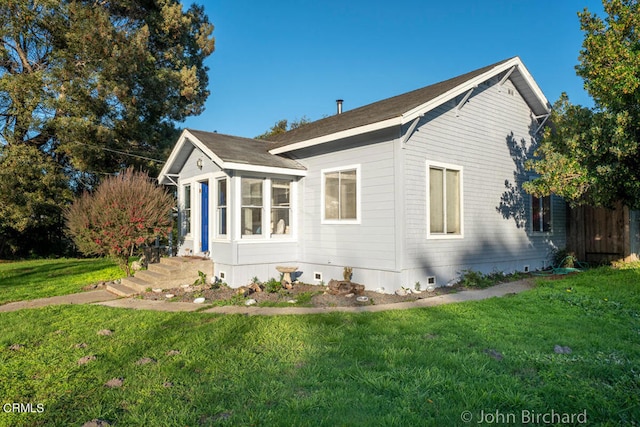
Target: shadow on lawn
[{"x": 26, "y": 273}]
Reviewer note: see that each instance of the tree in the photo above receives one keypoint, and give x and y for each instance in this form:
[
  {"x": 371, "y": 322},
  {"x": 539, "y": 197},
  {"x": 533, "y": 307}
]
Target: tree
[
  {"x": 32, "y": 189},
  {"x": 96, "y": 86},
  {"x": 125, "y": 211},
  {"x": 592, "y": 156},
  {"x": 282, "y": 126}
]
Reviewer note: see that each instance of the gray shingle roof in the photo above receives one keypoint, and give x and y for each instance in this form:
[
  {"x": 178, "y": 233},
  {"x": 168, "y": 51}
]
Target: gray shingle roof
[
  {"x": 236, "y": 149},
  {"x": 376, "y": 112}
]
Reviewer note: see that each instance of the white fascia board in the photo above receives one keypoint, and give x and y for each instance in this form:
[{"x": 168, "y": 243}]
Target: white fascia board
[
  {"x": 470, "y": 84},
  {"x": 172, "y": 158},
  {"x": 337, "y": 135},
  {"x": 196, "y": 142},
  {"x": 264, "y": 169},
  {"x": 425, "y": 108},
  {"x": 534, "y": 86}
]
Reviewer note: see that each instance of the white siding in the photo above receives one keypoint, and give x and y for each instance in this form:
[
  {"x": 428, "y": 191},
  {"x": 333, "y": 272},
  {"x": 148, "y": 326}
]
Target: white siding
[
  {"x": 487, "y": 138},
  {"x": 370, "y": 244}
]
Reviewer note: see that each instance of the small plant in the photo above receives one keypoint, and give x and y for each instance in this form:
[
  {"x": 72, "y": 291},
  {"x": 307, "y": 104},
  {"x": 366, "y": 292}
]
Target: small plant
[
  {"x": 272, "y": 285},
  {"x": 417, "y": 286},
  {"x": 237, "y": 299},
  {"x": 474, "y": 279},
  {"x": 255, "y": 280},
  {"x": 201, "y": 280}
]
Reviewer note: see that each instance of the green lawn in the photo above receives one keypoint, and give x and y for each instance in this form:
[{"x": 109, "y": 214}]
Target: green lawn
[
  {"x": 414, "y": 367},
  {"x": 26, "y": 280}
]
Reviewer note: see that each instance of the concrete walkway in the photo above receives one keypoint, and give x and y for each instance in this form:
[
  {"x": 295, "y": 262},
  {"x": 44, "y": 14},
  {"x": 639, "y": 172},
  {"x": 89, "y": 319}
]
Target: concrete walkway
[
  {"x": 80, "y": 298},
  {"x": 102, "y": 297}
]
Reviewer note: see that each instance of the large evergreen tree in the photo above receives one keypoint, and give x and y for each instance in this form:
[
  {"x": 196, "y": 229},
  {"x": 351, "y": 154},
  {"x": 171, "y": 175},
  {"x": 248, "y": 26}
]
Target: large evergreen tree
[
  {"x": 592, "y": 155},
  {"x": 95, "y": 86}
]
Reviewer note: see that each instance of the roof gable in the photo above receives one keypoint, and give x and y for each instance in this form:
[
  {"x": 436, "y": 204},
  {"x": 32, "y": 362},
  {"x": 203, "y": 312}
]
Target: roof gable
[
  {"x": 228, "y": 152},
  {"x": 403, "y": 108}
]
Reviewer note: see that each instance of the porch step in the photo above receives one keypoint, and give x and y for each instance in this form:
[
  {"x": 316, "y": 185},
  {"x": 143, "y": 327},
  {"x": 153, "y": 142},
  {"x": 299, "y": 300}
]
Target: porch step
[
  {"x": 120, "y": 290},
  {"x": 168, "y": 273}
]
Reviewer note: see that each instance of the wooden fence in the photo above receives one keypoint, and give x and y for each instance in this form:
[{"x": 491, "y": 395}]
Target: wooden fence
[{"x": 599, "y": 235}]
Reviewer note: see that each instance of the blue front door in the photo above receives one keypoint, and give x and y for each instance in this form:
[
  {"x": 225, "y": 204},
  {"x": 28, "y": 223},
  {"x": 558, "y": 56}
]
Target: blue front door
[{"x": 204, "y": 215}]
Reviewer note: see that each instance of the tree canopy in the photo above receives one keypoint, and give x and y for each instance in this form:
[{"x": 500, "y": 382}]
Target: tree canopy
[
  {"x": 282, "y": 126},
  {"x": 80, "y": 76},
  {"x": 592, "y": 155},
  {"x": 91, "y": 87}
]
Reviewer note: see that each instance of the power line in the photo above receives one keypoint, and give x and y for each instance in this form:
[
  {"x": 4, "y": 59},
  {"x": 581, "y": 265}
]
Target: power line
[{"x": 121, "y": 152}]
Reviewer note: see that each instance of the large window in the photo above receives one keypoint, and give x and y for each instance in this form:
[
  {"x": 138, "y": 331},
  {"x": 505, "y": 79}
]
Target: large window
[
  {"x": 222, "y": 207},
  {"x": 280, "y": 207},
  {"x": 541, "y": 214},
  {"x": 186, "y": 211},
  {"x": 252, "y": 205},
  {"x": 341, "y": 194},
  {"x": 445, "y": 210}
]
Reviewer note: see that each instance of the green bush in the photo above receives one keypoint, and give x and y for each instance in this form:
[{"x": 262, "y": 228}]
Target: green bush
[{"x": 272, "y": 285}]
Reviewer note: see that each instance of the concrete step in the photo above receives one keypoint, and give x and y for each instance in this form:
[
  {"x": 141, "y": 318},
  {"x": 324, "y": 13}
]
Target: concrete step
[
  {"x": 120, "y": 290},
  {"x": 135, "y": 283},
  {"x": 152, "y": 276}
]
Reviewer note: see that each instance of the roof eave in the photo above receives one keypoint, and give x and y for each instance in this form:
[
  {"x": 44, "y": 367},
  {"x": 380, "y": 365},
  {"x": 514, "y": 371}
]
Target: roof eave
[
  {"x": 394, "y": 121},
  {"x": 539, "y": 104}
]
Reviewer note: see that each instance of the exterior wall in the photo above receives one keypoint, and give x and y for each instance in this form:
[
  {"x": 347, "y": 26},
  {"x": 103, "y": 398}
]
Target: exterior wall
[
  {"x": 190, "y": 174},
  {"x": 368, "y": 245},
  {"x": 490, "y": 138}
]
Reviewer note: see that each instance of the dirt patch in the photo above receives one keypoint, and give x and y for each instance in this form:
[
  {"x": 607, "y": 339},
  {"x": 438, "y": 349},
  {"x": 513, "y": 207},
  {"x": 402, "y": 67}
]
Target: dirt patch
[{"x": 300, "y": 295}]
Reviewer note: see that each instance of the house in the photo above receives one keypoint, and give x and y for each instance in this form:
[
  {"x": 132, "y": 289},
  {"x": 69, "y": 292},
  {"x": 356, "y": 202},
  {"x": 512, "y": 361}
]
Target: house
[{"x": 413, "y": 188}]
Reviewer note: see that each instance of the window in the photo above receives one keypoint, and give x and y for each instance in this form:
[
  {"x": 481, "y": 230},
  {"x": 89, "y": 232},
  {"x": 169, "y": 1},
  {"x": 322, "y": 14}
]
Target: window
[
  {"x": 445, "y": 209},
  {"x": 251, "y": 209},
  {"x": 340, "y": 188},
  {"x": 221, "y": 214},
  {"x": 280, "y": 207},
  {"x": 186, "y": 211},
  {"x": 541, "y": 214}
]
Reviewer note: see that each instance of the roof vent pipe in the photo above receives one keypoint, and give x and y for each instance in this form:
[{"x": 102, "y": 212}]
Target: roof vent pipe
[{"x": 339, "y": 105}]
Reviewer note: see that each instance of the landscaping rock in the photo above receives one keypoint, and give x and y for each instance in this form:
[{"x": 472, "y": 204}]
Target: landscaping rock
[
  {"x": 292, "y": 301},
  {"x": 198, "y": 300},
  {"x": 173, "y": 352},
  {"x": 244, "y": 291},
  {"x": 342, "y": 287},
  {"x": 494, "y": 354},
  {"x": 145, "y": 361},
  {"x": 114, "y": 382},
  {"x": 105, "y": 332},
  {"x": 86, "y": 359},
  {"x": 558, "y": 349},
  {"x": 169, "y": 296},
  {"x": 96, "y": 423},
  {"x": 250, "y": 301},
  {"x": 16, "y": 347},
  {"x": 255, "y": 287}
]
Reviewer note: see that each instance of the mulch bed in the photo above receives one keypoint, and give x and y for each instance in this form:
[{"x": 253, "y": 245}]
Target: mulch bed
[{"x": 320, "y": 296}]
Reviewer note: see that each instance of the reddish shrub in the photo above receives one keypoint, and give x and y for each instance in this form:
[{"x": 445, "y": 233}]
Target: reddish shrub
[{"x": 124, "y": 212}]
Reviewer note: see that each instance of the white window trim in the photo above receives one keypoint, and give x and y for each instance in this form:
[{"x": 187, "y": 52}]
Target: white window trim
[
  {"x": 358, "y": 219},
  {"x": 265, "y": 236},
  {"x": 183, "y": 186},
  {"x": 217, "y": 236},
  {"x": 538, "y": 232},
  {"x": 444, "y": 236}
]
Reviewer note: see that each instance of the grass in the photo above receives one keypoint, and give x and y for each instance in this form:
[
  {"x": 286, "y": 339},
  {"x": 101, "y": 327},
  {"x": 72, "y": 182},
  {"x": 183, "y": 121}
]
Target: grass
[
  {"x": 410, "y": 367},
  {"x": 27, "y": 280}
]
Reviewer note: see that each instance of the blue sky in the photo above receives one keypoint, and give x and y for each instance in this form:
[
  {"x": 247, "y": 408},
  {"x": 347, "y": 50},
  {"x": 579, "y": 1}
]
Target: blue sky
[{"x": 286, "y": 59}]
